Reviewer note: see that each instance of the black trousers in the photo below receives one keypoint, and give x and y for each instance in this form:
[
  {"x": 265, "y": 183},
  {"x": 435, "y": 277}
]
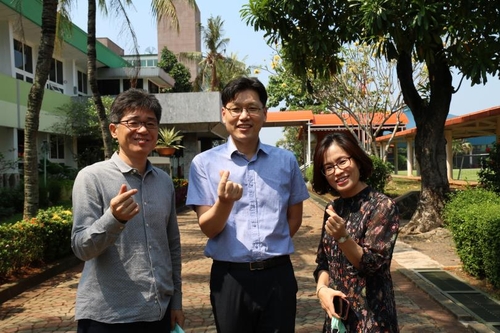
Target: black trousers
[
  {"x": 92, "y": 326},
  {"x": 246, "y": 301}
]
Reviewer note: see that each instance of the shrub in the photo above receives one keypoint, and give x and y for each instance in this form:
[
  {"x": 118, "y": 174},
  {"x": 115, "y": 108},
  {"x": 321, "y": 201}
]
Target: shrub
[
  {"x": 41, "y": 239},
  {"x": 55, "y": 231},
  {"x": 489, "y": 174},
  {"x": 473, "y": 216},
  {"x": 181, "y": 186},
  {"x": 19, "y": 246},
  {"x": 381, "y": 174}
]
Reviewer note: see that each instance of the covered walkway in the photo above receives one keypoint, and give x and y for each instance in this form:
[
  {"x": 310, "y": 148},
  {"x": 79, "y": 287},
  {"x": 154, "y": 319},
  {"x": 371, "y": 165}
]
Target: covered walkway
[{"x": 481, "y": 123}]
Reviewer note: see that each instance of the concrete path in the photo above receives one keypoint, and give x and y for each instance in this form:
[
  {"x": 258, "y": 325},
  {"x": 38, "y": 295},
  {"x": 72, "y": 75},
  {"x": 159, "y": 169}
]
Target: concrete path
[{"x": 49, "y": 306}]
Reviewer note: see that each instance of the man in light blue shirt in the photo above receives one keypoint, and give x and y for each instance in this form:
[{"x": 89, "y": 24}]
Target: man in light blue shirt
[{"x": 248, "y": 197}]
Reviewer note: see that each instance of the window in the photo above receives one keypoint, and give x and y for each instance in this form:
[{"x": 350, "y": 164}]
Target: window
[
  {"x": 153, "y": 88},
  {"x": 55, "y": 81},
  {"x": 23, "y": 61},
  {"x": 57, "y": 147},
  {"x": 82, "y": 83},
  {"x": 126, "y": 84},
  {"x": 152, "y": 63},
  {"x": 109, "y": 87},
  {"x": 56, "y": 72}
]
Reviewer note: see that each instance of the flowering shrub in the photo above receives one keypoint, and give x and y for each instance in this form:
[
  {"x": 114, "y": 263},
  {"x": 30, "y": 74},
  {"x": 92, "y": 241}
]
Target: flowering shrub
[
  {"x": 41, "y": 239},
  {"x": 180, "y": 185}
]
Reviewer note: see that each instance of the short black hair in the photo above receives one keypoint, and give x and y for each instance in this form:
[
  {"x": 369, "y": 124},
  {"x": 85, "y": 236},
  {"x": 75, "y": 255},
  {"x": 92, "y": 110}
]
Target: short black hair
[
  {"x": 348, "y": 143},
  {"x": 134, "y": 99},
  {"x": 240, "y": 84}
]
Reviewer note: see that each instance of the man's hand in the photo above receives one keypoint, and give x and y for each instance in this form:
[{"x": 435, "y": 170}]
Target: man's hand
[
  {"x": 123, "y": 207},
  {"x": 227, "y": 190}
]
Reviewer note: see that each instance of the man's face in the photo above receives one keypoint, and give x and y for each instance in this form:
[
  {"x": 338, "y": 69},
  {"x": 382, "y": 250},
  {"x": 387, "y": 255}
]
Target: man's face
[
  {"x": 137, "y": 133},
  {"x": 244, "y": 117}
]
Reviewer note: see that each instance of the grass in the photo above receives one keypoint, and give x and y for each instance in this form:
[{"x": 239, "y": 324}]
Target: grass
[
  {"x": 399, "y": 186},
  {"x": 465, "y": 174}
]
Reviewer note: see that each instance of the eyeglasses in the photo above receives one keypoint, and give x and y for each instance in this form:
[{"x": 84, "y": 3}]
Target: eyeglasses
[
  {"x": 135, "y": 125},
  {"x": 237, "y": 111},
  {"x": 343, "y": 163}
]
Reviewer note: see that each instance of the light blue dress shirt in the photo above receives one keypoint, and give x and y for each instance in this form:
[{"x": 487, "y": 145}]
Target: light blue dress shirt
[{"x": 257, "y": 228}]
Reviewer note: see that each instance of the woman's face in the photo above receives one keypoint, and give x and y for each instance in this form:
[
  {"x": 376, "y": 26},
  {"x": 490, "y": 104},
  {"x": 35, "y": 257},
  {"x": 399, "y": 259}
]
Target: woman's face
[{"x": 342, "y": 171}]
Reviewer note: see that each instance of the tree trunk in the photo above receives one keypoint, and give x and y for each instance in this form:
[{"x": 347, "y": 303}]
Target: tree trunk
[
  {"x": 35, "y": 98},
  {"x": 430, "y": 143},
  {"x": 92, "y": 74}
]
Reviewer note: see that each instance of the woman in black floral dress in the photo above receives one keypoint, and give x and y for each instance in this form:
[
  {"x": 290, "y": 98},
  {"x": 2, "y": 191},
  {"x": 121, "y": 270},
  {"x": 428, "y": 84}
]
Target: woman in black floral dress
[{"x": 357, "y": 240}]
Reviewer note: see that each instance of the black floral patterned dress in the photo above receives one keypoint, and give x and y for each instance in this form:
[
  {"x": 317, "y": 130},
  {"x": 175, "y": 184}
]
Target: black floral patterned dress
[{"x": 372, "y": 220}]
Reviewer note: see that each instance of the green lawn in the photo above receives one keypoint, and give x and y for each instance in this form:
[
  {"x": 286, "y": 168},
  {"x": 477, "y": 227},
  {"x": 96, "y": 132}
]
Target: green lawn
[{"x": 465, "y": 174}]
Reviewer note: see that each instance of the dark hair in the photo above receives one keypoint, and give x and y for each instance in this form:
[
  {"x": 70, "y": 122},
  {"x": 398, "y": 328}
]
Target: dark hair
[
  {"x": 348, "y": 143},
  {"x": 133, "y": 99},
  {"x": 240, "y": 84}
]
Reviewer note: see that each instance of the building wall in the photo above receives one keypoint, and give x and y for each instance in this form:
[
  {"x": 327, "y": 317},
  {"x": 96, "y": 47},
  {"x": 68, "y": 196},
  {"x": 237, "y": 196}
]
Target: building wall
[{"x": 187, "y": 39}]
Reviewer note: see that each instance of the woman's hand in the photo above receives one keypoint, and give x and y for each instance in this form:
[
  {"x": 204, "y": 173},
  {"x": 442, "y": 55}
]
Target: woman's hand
[
  {"x": 335, "y": 225},
  {"x": 325, "y": 296}
]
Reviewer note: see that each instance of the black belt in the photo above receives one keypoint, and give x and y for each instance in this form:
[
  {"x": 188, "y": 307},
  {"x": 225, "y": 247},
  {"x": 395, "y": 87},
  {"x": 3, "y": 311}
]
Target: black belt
[{"x": 256, "y": 265}]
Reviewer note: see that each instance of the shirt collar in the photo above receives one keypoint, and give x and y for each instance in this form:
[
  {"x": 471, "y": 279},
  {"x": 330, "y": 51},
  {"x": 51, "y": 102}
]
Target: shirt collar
[
  {"x": 231, "y": 148},
  {"x": 125, "y": 168}
]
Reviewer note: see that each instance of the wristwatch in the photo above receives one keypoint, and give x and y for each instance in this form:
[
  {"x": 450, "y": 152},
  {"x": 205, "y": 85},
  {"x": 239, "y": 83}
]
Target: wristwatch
[{"x": 343, "y": 239}]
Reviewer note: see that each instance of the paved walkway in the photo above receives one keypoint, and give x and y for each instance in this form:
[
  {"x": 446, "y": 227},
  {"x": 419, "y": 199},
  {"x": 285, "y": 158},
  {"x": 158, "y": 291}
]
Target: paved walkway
[{"x": 49, "y": 307}]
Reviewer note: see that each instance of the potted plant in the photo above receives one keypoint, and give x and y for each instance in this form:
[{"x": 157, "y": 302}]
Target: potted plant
[{"x": 167, "y": 141}]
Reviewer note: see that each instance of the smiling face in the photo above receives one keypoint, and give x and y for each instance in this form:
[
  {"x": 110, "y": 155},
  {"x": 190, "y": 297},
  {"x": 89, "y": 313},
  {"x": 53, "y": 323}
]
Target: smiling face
[
  {"x": 244, "y": 128},
  {"x": 345, "y": 181},
  {"x": 135, "y": 144}
]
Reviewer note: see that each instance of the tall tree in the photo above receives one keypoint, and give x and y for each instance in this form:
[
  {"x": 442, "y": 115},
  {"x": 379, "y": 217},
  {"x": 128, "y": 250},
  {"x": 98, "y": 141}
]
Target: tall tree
[
  {"x": 35, "y": 98},
  {"x": 441, "y": 34},
  {"x": 215, "y": 46},
  {"x": 92, "y": 75}
]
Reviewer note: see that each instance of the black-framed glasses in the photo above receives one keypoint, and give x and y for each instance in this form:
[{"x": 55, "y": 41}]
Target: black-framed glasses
[
  {"x": 135, "y": 124},
  {"x": 343, "y": 163},
  {"x": 237, "y": 111}
]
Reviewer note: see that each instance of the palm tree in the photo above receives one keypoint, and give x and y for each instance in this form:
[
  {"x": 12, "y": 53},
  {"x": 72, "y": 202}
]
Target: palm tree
[
  {"x": 35, "y": 98},
  {"x": 209, "y": 62}
]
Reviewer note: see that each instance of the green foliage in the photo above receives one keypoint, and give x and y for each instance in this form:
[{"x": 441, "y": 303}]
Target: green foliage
[
  {"x": 466, "y": 32},
  {"x": 473, "y": 216},
  {"x": 169, "y": 63},
  {"x": 489, "y": 175},
  {"x": 41, "y": 239},
  {"x": 181, "y": 186},
  {"x": 381, "y": 174},
  {"x": 55, "y": 231},
  {"x": 167, "y": 60},
  {"x": 11, "y": 201},
  {"x": 182, "y": 78},
  {"x": 169, "y": 138},
  {"x": 81, "y": 120},
  {"x": 290, "y": 142},
  {"x": 19, "y": 246},
  {"x": 309, "y": 172}
]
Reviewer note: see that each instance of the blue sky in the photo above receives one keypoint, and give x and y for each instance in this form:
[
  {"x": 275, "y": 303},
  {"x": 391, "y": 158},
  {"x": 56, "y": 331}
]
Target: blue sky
[{"x": 251, "y": 46}]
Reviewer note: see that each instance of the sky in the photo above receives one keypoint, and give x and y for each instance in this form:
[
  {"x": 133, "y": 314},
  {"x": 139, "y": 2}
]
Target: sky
[{"x": 251, "y": 47}]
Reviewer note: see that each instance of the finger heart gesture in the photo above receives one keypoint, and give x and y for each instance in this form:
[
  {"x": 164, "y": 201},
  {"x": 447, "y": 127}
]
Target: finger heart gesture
[{"x": 228, "y": 190}]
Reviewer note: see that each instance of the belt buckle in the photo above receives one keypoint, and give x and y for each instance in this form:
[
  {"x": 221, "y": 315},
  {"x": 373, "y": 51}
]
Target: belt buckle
[{"x": 257, "y": 265}]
